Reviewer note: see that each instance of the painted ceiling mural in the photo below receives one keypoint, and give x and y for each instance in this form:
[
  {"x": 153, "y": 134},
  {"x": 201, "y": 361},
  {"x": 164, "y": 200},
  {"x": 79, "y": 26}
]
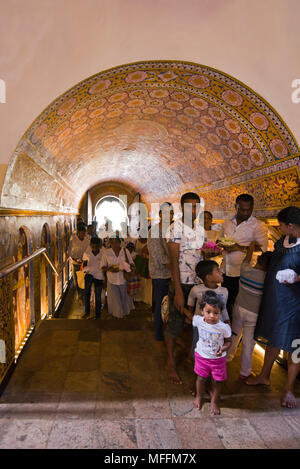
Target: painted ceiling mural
[{"x": 164, "y": 128}]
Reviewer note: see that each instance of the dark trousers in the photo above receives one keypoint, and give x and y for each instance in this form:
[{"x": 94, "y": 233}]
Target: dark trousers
[
  {"x": 232, "y": 285},
  {"x": 88, "y": 281},
  {"x": 160, "y": 288}
]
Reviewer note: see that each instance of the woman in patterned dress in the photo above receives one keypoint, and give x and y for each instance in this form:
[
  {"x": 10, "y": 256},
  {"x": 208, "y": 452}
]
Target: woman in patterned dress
[{"x": 278, "y": 324}]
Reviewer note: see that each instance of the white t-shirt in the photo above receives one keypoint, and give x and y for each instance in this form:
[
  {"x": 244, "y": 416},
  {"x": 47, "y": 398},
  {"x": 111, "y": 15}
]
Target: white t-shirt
[
  {"x": 196, "y": 293},
  {"x": 211, "y": 337},
  {"x": 77, "y": 247},
  {"x": 244, "y": 233},
  {"x": 190, "y": 241},
  {"x": 93, "y": 265},
  {"x": 109, "y": 259}
]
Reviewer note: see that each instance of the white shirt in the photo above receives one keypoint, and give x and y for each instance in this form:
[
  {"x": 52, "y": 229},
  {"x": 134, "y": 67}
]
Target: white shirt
[
  {"x": 244, "y": 233},
  {"x": 93, "y": 265},
  {"x": 109, "y": 259},
  {"x": 77, "y": 247},
  {"x": 190, "y": 241},
  {"x": 286, "y": 243},
  {"x": 211, "y": 337},
  {"x": 196, "y": 293}
]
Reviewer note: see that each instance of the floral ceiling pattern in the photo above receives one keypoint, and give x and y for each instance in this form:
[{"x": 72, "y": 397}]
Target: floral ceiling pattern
[{"x": 164, "y": 128}]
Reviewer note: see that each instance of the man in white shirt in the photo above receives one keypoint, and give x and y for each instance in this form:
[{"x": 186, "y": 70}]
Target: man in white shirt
[
  {"x": 184, "y": 238},
  {"x": 79, "y": 242},
  {"x": 244, "y": 228},
  {"x": 94, "y": 275}
]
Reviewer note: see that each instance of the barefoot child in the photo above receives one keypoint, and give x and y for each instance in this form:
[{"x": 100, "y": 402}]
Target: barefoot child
[
  {"x": 208, "y": 271},
  {"x": 210, "y": 352}
]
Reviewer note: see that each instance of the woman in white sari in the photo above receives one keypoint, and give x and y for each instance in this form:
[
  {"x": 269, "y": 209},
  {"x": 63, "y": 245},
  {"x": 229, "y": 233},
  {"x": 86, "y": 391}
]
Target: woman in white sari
[{"x": 114, "y": 262}]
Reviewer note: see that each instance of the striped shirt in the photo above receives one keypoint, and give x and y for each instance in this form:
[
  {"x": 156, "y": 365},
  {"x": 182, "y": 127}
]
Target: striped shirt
[
  {"x": 251, "y": 288},
  {"x": 158, "y": 254},
  {"x": 190, "y": 241}
]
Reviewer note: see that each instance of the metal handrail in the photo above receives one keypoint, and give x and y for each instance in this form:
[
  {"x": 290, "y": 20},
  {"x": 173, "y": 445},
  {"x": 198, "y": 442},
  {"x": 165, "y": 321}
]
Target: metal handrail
[
  {"x": 50, "y": 261},
  {"x": 13, "y": 267}
]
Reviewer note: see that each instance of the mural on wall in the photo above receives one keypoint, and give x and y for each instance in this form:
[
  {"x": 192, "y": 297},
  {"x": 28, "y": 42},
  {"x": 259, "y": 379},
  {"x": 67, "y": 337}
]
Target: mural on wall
[
  {"x": 164, "y": 127},
  {"x": 274, "y": 191},
  {"x": 5, "y": 242},
  {"x": 28, "y": 286},
  {"x": 45, "y": 273},
  {"x": 7, "y": 347},
  {"x": 58, "y": 262},
  {"x": 21, "y": 290},
  {"x": 65, "y": 245}
]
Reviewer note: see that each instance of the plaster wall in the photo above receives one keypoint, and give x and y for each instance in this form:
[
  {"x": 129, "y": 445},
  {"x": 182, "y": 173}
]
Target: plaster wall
[{"x": 3, "y": 168}]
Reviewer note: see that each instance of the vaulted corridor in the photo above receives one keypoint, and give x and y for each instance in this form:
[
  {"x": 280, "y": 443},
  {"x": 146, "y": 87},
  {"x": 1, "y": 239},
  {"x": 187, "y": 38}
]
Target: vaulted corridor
[{"x": 133, "y": 101}]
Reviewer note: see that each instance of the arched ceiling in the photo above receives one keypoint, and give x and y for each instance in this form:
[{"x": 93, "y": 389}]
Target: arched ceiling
[{"x": 163, "y": 127}]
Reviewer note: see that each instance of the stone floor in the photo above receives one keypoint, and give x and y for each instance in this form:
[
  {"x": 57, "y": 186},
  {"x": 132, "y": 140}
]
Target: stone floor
[{"x": 102, "y": 384}]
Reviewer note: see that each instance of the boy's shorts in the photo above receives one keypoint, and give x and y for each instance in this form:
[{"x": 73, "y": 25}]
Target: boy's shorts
[
  {"x": 176, "y": 321},
  {"x": 206, "y": 366}
]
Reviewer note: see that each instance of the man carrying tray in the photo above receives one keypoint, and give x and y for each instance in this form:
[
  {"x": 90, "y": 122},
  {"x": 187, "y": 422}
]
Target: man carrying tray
[{"x": 235, "y": 237}]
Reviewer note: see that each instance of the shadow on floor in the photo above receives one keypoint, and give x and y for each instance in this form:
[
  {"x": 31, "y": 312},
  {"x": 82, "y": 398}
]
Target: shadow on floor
[{"x": 103, "y": 384}]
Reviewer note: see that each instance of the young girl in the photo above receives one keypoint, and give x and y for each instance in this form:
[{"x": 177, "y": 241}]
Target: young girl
[{"x": 210, "y": 351}]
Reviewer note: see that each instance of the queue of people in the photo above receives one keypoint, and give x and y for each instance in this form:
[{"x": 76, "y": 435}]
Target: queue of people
[
  {"x": 106, "y": 260},
  {"x": 233, "y": 292}
]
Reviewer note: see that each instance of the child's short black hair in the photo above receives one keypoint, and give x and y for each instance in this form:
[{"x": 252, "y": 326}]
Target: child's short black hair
[
  {"x": 264, "y": 259},
  {"x": 208, "y": 213},
  {"x": 204, "y": 268},
  {"x": 81, "y": 227},
  {"x": 96, "y": 241},
  {"x": 211, "y": 298},
  {"x": 189, "y": 196}
]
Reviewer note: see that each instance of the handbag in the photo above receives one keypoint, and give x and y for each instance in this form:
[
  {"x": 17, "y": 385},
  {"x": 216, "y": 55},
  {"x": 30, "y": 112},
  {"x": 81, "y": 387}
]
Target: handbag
[
  {"x": 133, "y": 285},
  {"x": 80, "y": 279},
  {"x": 128, "y": 275},
  {"x": 80, "y": 274},
  {"x": 142, "y": 266}
]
